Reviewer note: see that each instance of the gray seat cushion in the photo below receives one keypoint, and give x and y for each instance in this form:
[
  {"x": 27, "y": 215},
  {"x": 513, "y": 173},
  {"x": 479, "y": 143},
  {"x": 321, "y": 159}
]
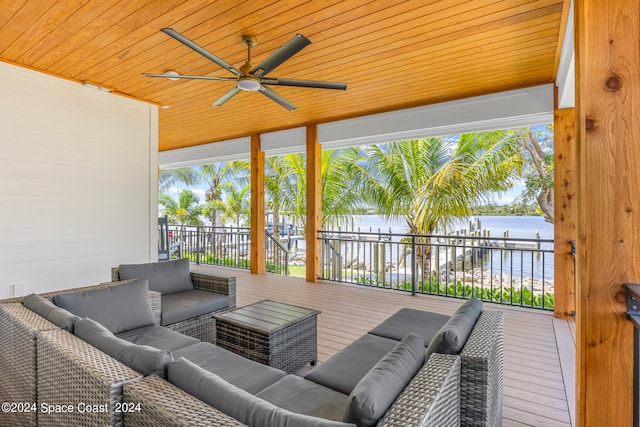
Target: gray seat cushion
[
  {"x": 453, "y": 335},
  {"x": 235, "y": 402},
  {"x": 165, "y": 277},
  {"x": 298, "y": 395},
  {"x": 119, "y": 308},
  {"x": 158, "y": 337},
  {"x": 141, "y": 358},
  {"x": 54, "y": 314},
  {"x": 410, "y": 321},
  {"x": 185, "y": 305},
  {"x": 241, "y": 372},
  {"x": 377, "y": 391},
  {"x": 345, "y": 369}
]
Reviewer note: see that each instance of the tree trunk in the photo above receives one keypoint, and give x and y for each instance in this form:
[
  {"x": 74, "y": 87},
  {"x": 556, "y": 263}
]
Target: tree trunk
[
  {"x": 545, "y": 201},
  {"x": 545, "y": 196}
]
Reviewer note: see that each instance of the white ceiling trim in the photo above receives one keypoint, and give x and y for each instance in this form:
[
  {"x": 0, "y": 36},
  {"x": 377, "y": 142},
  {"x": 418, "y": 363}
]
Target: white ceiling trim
[
  {"x": 516, "y": 108},
  {"x": 224, "y": 151},
  {"x": 284, "y": 142},
  {"x": 565, "y": 78}
]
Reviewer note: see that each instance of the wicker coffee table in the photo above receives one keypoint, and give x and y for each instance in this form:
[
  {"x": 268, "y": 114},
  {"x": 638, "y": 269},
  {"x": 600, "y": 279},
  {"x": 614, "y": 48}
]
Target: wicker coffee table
[{"x": 277, "y": 334}]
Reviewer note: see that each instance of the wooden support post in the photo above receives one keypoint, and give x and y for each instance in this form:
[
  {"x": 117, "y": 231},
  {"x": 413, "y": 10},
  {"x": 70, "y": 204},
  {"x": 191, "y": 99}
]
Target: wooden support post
[
  {"x": 314, "y": 203},
  {"x": 565, "y": 211},
  {"x": 608, "y": 247},
  {"x": 257, "y": 206}
]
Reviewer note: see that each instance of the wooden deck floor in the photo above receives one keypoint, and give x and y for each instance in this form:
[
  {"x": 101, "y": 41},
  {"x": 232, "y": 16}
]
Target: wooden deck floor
[{"x": 539, "y": 350}]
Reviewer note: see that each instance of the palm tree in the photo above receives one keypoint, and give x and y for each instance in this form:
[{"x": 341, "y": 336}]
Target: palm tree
[
  {"x": 286, "y": 180},
  {"x": 431, "y": 181},
  {"x": 214, "y": 175},
  {"x": 185, "y": 210},
  {"x": 169, "y": 177},
  {"x": 480, "y": 165},
  {"x": 238, "y": 207},
  {"x": 285, "y": 183},
  {"x": 340, "y": 197}
]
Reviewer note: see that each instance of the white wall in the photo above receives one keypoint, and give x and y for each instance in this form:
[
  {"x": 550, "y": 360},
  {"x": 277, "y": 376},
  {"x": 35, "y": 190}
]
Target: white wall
[{"x": 78, "y": 182}]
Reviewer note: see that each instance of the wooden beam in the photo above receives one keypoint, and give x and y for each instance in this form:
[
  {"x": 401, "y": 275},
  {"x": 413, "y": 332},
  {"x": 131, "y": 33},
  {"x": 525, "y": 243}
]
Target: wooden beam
[
  {"x": 314, "y": 203},
  {"x": 608, "y": 133},
  {"x": 257, "y": 206},
  {"x": 565, "y": 211}
]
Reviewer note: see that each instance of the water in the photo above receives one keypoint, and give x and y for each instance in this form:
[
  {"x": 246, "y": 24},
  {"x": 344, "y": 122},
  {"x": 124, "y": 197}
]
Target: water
[
  {"x": 519, "y": 226},
  {"x": 517, "y": 263}
]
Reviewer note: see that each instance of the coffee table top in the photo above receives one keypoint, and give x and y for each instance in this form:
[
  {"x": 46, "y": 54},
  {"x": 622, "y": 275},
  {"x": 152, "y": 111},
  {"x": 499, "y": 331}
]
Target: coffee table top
[{"x": 266, "y": 316}]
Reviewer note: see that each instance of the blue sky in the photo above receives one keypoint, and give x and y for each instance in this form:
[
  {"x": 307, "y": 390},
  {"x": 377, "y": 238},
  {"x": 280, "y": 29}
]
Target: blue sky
[{"x": 499, "y": 198}]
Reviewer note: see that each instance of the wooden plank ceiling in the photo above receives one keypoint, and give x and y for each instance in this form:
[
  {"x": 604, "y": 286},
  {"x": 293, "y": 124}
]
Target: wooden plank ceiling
[{"x": 393, "y": 54}]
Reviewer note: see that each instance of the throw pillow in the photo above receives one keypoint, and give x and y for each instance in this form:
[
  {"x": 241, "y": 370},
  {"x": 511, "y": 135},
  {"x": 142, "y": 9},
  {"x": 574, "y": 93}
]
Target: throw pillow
[
  {"x": 119, "y": 308},
  {"x": 453, "y": 335},
  {"x": 379, "y": 388}
]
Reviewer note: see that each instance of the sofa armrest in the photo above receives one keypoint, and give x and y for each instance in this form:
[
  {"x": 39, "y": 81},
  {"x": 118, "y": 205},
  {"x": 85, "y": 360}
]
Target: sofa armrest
[
  {"x": 72, "y": 372},
  {"x": 432, "y": 398},
  {"x": 482, "y": 372},
  {"x": 155, "y": 299},
  {"x": 19, "y": 327},
  {"x": 115, "y": 274},
  {"x": 225, "y": 285},
  {"x": 163, "y": 404}
]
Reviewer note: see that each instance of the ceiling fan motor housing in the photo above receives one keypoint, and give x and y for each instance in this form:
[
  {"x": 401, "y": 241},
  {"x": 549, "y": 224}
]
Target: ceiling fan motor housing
[{"x": 248, "y": 83}]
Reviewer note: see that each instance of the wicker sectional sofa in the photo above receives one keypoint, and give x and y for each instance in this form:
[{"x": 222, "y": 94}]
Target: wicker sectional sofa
[
  {"x": 52, "y": 367},
  {"x": 187, "y": 299}
]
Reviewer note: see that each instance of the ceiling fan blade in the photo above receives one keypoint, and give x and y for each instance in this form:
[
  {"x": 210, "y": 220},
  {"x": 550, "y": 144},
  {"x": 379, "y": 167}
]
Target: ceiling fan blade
[
  {"x": 179, "y": 76},
  {"x": 227, "y": 96},
  {"x": 304, "y": 83},
  {"x": 202, "y": 51},
  {"x": 290, "y": 48},
  {"x": 277, "y": 98}
]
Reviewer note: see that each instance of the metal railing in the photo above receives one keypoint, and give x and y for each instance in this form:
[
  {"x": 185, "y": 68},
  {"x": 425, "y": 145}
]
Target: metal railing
[
  {"x": 276, "y": 255},
  {"x": 503, "y": 270},
  {"x": 223, "y": 246},
  {"x": 227, "y": 246},
  {"x": 633, "y": 314}
]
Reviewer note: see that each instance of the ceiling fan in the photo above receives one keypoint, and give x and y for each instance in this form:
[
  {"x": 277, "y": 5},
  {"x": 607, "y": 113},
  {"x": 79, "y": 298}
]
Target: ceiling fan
[{"x": 252, "y": 78}]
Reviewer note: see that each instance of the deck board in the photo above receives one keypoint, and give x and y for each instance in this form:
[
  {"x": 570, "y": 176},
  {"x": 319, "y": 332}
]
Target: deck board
[{"x": 535, "y": 383}]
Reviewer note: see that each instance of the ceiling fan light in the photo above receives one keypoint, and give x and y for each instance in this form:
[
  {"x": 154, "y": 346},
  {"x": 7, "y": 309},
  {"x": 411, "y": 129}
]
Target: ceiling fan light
[
  {"x": 248, "y": 84},
  {"x": 172, "y": 73}
]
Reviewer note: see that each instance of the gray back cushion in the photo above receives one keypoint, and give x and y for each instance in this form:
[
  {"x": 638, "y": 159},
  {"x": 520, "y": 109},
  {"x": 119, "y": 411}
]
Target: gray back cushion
[
  {"x": 119, "y": 308},
  {"x": 166, "y": 277},
  {"x": 47, "y": 309},
  {"x": 236, "y": 402},
  {"x": 141, "y": 358},
  {"x": 453, "y": 335},
  {"x": 376, "y": 392}
]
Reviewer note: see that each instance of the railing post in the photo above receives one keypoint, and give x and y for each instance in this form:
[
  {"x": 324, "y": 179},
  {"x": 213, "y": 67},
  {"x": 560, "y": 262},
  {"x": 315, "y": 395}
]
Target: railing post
[
  {"x": 198, "y": 244},
  {"x": 413, "y": 265}
]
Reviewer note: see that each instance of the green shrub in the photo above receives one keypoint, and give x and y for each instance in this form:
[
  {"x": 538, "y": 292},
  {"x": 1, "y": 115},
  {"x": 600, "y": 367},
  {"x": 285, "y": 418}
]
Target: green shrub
[{"x": 504, "y": 296}]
